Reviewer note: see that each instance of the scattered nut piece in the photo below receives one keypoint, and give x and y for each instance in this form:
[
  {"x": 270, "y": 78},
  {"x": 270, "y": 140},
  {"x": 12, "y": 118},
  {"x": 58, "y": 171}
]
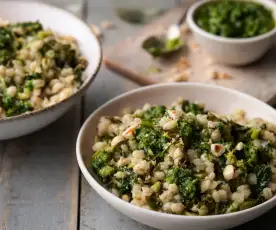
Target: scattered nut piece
[
  {"x": 194, "y": 46},
  {"x": 228, "y": 172},
  {"x": 225, "y": 76},
  {"x": 107, "y": 25},
  {"x": 217, "y": 149},
  {"x": 183, "y": 63},
  {"x": 178, "y": 77},
  {"x": 97, "y": 31}
]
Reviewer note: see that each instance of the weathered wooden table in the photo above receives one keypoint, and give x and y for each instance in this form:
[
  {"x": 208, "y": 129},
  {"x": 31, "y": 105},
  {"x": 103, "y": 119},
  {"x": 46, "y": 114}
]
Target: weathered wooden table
[{"x": 40, "y": 183}]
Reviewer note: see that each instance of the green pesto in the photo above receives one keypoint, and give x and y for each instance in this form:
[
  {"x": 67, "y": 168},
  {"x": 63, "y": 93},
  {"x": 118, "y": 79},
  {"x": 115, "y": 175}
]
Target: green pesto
[{"x": 234, "y": 19}]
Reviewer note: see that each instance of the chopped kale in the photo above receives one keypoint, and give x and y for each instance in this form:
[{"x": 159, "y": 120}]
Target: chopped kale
[
  {"x": 151, "y": 140},
  {"x": 192, "y": 107},
  {"x": 64, "y": 54},
  {"x": 5, "y": 56},
  {"x": 100, "y": 159},
  {"x": 6, "y": 38},
  {"x": 154, "y": 112},
  {"x": 106, "y": 171},
  {"x": 125, "y": 185},
  {"x": 264, "y": 176},
  {"x": 187, "y": 183}
]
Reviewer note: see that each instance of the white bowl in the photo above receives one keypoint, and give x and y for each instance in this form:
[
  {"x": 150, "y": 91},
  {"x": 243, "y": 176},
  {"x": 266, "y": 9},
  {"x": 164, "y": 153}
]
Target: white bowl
[
  {"x": 216, "y": 98},
  {"x": 61, "y": 22},
  {"x": 232, "y": 51}
]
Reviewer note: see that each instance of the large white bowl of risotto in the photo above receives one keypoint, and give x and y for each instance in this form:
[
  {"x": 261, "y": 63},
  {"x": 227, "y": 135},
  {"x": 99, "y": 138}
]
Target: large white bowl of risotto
[
  {"x": 48, "y": 58},
  {"x": 182, "y": 156}
]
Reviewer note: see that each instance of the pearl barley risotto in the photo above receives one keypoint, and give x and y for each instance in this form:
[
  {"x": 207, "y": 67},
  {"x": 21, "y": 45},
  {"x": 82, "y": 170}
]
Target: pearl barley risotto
[
  {"x": 184, "y": 160},
  {"x": 38, "y": 68}
]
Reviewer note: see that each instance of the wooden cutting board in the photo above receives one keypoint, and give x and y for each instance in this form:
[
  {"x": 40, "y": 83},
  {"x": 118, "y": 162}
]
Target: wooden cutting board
[{"x": 131, "y": 61}]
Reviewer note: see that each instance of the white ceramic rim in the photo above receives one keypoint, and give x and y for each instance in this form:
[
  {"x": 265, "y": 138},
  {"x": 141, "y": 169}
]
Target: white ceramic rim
[
  {"x": 88, "y": 79},
  {"x": 100, "y": 189},
  {"x": 196, "y": 28}
]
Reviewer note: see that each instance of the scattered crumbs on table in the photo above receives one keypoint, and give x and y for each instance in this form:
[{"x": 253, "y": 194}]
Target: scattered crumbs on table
[
  {"x": 107, "y": 25},
  {"x": 215, "y": 75},
  {"x": 153, "y": 69},
  {"x": 179, "y": 76},
  {"x": 225, "y": 76},
  {"x": 194, "y": 46},
  {"x": 97, "y": 31}
]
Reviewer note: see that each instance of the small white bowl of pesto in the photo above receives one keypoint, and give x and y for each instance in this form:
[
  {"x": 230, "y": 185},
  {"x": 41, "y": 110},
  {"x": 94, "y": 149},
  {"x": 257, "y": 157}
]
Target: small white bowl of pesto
[
  {"x": 48, "y": 58},
  {"x": 182, "y": 156},
  {"x": 234, "y": 32}
]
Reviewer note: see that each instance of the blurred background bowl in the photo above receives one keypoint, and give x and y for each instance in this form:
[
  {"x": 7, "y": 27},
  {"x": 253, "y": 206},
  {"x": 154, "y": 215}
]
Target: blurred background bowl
[
  {"x": 232, "y": 51},
  {"x": 62, "y": 22}
]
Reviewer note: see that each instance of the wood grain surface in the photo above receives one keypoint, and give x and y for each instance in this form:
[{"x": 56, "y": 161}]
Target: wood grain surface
[
  {"x": 131, "y": 61},
  {"x": 39, "y": 178},
  {"x": 39, "y": 175}
]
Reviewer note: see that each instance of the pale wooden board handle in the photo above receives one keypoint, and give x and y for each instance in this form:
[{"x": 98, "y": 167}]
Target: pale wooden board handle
[{"x": 129, "y": 74}]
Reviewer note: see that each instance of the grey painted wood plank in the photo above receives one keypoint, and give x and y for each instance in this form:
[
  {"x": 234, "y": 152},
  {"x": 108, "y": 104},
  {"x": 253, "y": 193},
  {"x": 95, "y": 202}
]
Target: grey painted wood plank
[{"x": 40, "y": 177}]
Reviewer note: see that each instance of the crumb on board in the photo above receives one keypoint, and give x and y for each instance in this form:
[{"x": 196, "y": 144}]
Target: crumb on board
[
  {"x": 183, "y": 63},
  {"x": 180, "y": 76},
  {"x": 225, "y": 76},
  {"x": 107, "y": 25},
  {"x": 215, "y": 75},
  {"x": 96, "y": 30},
  {"x": 194, "y": 46}
]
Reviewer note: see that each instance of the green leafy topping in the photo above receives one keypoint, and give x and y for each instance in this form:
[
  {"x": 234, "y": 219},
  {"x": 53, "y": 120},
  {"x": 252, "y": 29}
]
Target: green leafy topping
[
  {"x": 151, "y": 140},
  {"x": 125, "y": 185},
  {"x": 255, "y": 133},
  {"x": 26, "y": 28},
  {"x": 15, "y": 107},
  {"x": 154, "y": 113},
  {"x": 64, "y": 55},
  {"x": 264, "y": 176},
  {"x": 106, "y": 171},
  {"x": 192, "y": 107}
]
